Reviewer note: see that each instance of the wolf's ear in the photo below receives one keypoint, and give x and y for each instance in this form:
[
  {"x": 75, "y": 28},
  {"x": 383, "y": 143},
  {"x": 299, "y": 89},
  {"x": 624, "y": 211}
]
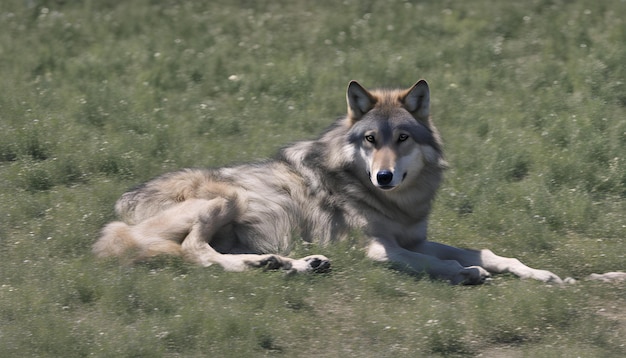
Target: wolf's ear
[
  {"x": 417, "y": 100},
  {"x": 360, "y": 101}
]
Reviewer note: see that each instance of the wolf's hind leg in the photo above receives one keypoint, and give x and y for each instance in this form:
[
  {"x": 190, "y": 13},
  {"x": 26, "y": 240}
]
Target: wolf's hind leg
[
  {"x": 313, "y": 263},
  {"x": 203, "y": 254},
  {"x": 209, "y": 217},
  {"x": 196, "y": 250}
]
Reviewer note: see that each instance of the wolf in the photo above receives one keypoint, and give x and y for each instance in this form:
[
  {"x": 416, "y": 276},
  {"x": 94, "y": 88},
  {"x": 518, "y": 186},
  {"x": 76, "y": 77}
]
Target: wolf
[{"x": 374, "y": 171}]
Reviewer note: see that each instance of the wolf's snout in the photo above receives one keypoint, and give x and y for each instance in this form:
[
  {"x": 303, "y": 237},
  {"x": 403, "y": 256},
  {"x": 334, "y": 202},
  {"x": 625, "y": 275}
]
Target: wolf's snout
[{"x": 384, "y": 177}]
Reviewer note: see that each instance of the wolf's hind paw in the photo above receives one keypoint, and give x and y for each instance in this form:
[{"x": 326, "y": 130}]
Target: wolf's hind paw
[
  {"x": 313, "y": 263},
  {"x": 318, "y": 263},
  {"x": 271, "y": 263}
]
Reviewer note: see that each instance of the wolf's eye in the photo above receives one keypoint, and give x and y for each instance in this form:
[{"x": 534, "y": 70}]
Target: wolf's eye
[
  {"x": 403, "y": 137},
  {"x": 370, "y": 138}
]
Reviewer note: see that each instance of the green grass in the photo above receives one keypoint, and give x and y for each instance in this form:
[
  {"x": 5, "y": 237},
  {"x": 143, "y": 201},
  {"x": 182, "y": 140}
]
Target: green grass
[{"x": 98, "y": 96}]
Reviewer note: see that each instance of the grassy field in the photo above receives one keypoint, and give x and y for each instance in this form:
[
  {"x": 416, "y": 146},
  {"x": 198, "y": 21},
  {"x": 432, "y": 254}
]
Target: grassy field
[{"x": 97, "y": 96}]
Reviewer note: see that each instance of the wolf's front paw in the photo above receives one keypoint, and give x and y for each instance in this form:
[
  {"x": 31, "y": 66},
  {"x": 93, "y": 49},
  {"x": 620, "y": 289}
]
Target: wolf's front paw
[
  {"x": 545, "y": 276},
  {"x": 471, "y": 275}
]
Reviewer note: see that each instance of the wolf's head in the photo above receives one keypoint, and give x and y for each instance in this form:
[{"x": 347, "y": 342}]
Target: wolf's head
[{"x": 392, "y": 133}]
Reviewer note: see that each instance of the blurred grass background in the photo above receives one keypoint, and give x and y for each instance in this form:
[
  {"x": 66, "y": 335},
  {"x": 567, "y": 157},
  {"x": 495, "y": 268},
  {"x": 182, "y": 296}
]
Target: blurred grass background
[{"x": 97, "y": 96}]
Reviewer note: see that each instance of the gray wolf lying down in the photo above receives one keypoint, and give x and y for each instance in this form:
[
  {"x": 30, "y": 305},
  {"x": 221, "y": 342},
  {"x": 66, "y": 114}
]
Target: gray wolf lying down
[{"x": 375, "y": 171}]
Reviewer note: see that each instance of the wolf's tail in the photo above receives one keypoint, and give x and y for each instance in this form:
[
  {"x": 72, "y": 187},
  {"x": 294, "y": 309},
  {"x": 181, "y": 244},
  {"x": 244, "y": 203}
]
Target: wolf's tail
[{"x": 119, "y": 240}]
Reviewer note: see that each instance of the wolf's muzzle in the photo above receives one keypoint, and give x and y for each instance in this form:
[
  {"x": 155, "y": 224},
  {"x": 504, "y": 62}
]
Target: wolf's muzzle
[{"x": 384, "y": 177}]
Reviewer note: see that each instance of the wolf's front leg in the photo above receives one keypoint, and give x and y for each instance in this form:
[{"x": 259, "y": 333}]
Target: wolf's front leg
[
  {"x": 486, "y": 259},
  {"x": 447, "y": 269},
  {"x": 498, "y": 264}
]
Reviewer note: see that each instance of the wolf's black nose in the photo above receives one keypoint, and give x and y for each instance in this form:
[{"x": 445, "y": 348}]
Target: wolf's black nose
[{"x": 384, "y": 177}]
